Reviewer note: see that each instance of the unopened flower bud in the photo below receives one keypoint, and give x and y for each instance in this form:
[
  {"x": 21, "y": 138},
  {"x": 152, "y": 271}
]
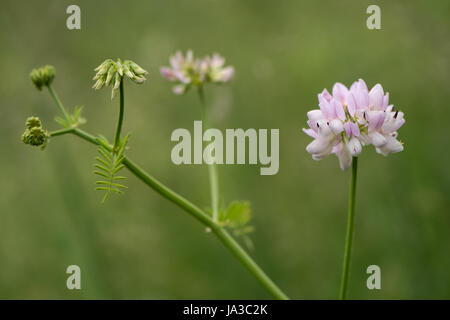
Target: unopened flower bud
[
  {"x": 34, "y": 134},
  {"x": 42, "y": 76},
  {"x": 33, "y": 122},
  {"x": 111, "y": 73}
]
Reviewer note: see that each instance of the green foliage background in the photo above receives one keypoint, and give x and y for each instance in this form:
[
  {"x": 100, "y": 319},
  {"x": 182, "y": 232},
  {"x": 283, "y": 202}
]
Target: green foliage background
[{"x": 141, "y": 246}]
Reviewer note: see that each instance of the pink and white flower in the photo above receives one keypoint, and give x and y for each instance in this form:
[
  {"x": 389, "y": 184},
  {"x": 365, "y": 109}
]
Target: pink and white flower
[
  {"x": 349, "y": 119},
  {"x": 187, "y": 71},
  {"x": 215, "y": 70}
]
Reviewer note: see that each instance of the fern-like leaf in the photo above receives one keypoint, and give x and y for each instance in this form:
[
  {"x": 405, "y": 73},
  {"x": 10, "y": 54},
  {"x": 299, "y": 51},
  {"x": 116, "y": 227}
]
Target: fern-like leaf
[
  {"x": 74, "y": 119},
  {"x": 109, "y": 164}
]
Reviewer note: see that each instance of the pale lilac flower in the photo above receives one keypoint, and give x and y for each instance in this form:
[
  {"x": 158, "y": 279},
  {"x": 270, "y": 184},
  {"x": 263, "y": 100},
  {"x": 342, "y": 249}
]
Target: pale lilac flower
[
  {"x": 187, "y": 71},
  {"x": 215, "y": 70},
  {"x": 184, "y": 71},
  {"x": 352, "y": 118}
]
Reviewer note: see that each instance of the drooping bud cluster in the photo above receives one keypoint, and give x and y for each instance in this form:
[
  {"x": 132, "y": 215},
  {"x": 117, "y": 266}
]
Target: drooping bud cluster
[
  {"x": 350, "y": 119},
  {"x": 42, "y": 76},
  {"x": 34, "y": 134},
  {"x": 186, "y": 71},
  {"x": 111, "y": 73}
]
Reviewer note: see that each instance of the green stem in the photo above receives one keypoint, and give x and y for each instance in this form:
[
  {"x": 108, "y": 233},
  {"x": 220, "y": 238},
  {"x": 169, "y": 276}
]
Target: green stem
[
  {"x": 120, "y": 119},
  {"x": 214, "y": 190},
  {"x": 58, "y": 103},
  {"x": 61, "y": 132},
  {"x": 167, "y": 193},
  {"x": 350, "y": 225},
  {"x": 212, "y": 168},
  {"x": 197, "y": 213}
]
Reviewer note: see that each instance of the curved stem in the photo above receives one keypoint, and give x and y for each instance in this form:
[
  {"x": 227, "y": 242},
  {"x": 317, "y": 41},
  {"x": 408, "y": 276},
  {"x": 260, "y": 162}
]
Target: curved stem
[
  {"x": 212, "y": 168},
  {"x": 58, "y": 103},
  {"x": 197, "y": 213},
  {"x": 120, "y": 119},
  {"x": 350, "y": 225}
]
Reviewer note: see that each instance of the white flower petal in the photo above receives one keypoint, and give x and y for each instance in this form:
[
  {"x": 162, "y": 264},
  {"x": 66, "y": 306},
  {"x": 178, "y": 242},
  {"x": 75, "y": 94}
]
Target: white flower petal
[
  {"x": 377, "y": 139},
  {"x": 336, "y": 126}
]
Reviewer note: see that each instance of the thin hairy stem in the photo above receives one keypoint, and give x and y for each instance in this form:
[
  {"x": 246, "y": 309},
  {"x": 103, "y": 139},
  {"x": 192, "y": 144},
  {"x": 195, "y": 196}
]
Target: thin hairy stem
[
  {"x": 58, "y": 103},
  {"x": 212, "y": 168},
  {"x": 120, "y": 119},
  {"x": 349, "y": 237}
]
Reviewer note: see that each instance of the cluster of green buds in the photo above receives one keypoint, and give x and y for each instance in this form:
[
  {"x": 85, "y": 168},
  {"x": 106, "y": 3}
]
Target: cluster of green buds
[
  {"x": 111, "y": 73},
  {"x": 34, "y": 134},
  {"x": 42, "y": 76}
]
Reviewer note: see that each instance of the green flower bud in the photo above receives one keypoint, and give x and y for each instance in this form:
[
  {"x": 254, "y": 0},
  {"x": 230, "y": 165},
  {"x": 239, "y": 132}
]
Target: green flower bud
[
  {"x": 137, "y": 69},
  {"x": 42, "y": 76},
  {"x": 111, "y": 73},
  {"x": 34, "y": 134},
  {"x": 127, "y": 71},
  {"x": 33, "y": 122}
]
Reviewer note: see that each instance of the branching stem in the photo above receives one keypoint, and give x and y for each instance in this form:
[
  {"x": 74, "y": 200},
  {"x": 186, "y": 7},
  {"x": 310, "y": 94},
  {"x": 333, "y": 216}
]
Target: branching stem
[{"x": 193, "y": 210}]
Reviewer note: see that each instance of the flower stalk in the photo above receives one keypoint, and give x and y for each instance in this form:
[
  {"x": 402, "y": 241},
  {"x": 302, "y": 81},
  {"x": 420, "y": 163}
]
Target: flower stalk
[
  {"x": 212, "y": 168},
  {"x": 120, "y": 119},
  {"x": 58, "y": 103},
  {"x": 350, "y": 228}
]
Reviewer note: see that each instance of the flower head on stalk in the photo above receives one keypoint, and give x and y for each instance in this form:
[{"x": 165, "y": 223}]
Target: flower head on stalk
[
  {"x": 111, "y": 73},
  {"x": 349, "y": 119},
  {"x": 187, "y": 71},
  {"x": 43, "y": 76}
]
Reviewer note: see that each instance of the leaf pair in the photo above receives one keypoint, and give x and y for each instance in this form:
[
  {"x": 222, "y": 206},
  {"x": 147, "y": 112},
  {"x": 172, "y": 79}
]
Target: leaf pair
[
  {"x": 74, "y": 120},
  {"x": 109, "y": 164}
]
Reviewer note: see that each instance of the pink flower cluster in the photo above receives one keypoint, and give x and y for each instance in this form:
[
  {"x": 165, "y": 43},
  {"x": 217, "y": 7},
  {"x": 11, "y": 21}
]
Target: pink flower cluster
[
  {"x": 350, "y": 119},
  {"x": 186, "y": 71}
]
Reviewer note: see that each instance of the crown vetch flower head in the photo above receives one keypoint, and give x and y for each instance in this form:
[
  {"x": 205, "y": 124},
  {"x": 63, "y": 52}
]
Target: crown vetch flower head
[
  {"x": 187, "y": 71},
  {"x": 111, "y": 73},
  {"x": 349, "y": 119},
  {"x": 42, "y": 76}
]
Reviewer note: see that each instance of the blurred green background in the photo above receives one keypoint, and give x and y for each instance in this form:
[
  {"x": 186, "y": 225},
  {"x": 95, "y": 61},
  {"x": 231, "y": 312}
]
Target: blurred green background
[{"x": 139, "y": 245}]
